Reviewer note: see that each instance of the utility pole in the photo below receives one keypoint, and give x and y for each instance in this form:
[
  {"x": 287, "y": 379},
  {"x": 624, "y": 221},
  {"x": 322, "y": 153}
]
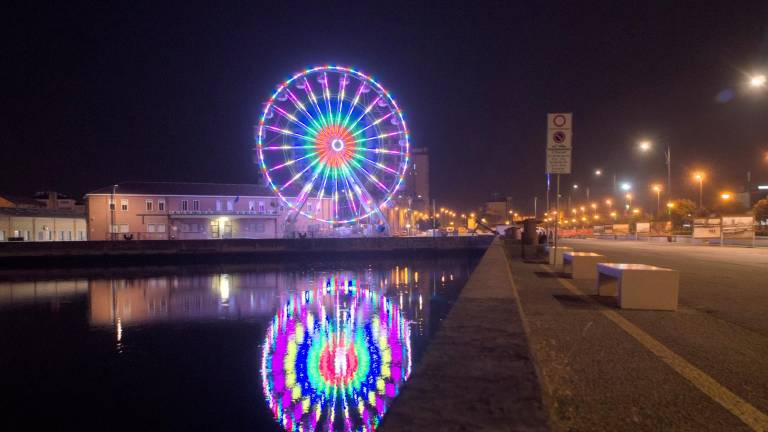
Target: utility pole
[{"x": 535, "y": 212}]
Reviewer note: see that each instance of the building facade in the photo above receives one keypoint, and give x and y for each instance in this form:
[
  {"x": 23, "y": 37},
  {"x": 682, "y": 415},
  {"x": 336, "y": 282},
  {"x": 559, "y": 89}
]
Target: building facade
[
  {"x": 40, "y": 224},
  {"x": 195, "y": 211}
]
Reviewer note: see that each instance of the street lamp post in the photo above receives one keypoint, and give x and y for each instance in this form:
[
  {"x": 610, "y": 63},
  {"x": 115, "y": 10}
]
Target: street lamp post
[
  {"x": 657, "y": 189},
  {"x": 646, "y": 146},
  {"x": 700, "y": 178}
]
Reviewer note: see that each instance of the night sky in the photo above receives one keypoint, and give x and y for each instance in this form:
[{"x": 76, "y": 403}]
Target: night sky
[{"x": 160, "y": 91}]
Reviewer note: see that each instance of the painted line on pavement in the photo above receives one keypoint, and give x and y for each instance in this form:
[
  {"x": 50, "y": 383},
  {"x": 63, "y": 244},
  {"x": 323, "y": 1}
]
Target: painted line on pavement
[{"x": 751, "y": 416}]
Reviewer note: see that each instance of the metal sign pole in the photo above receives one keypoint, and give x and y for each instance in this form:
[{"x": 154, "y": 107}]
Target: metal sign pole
[{"x": 557, "y": 216}]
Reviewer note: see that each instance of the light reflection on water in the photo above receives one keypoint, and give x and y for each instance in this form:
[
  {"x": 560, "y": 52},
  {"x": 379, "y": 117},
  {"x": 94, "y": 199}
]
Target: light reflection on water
[{"x": 329, "y": 349}]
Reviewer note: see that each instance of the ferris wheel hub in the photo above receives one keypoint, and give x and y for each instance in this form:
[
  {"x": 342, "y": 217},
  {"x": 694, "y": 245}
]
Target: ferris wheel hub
[{"x": 337, "y": 145}]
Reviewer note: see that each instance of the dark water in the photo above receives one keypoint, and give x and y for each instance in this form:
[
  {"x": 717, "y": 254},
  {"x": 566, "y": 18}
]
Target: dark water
[{"x": 293, "y": 347}]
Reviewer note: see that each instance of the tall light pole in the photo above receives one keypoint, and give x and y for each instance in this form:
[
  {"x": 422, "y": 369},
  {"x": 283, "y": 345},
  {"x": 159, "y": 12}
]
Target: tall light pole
[
  {"x": 646, "y": 146},
  {"x": 657, "y": 189},
  {"x": 700, "y": 178}
]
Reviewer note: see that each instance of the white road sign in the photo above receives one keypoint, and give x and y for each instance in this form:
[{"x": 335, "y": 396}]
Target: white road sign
[{"x": 559, "y": 134}]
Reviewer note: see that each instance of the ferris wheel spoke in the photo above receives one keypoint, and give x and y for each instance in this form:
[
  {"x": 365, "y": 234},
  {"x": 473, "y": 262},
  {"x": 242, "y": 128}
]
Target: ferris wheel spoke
[
  {"x": 291, "y": 162},
  {"x": 374, "y": 123},
  {"x": 327, "y": 97},
  {"x": 292, "y": 118},
  {"x": 365, "y": 112},
  {"x": 362, "y": 193},
  {"x": 342, "y": 88},
  {"x": 369, "y": 175},
  {"x": 354, "y": 102},
  {"x": 294, "y": 178},
  {"x": 301, "y": 199},
  {"x": 377, "y": 150},
  {"x": 300, "y": 105},
  {"x": 335, "y": 196},
  {"x": 377, "y": 164},
  {"x": 313, "y": 99},
  {"x": 288, "y": 147},
  {"x": 350, "y": 198},
  {"x": 377, "y": 137},
  {"x": 290, "y": 133},
  {"x": 321, "y": 191}
]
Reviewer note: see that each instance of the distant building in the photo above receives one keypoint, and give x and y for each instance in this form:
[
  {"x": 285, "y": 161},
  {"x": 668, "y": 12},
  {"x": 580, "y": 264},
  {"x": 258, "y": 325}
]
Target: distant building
[
  {"x": 162, "y": 211},
  {"x": 41, "y": 224},
  {"x": 57, "y": 200},
  {"x": 413, "y": 200},
  {"x": 497, "y": 210},
  {"x": 11, "y": 201}
]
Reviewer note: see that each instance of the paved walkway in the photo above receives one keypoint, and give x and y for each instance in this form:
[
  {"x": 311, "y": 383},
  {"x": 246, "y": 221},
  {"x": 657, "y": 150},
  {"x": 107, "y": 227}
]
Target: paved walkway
[
  {"x": 606, "y": 369},
  {"x": 477, "y": 374}
]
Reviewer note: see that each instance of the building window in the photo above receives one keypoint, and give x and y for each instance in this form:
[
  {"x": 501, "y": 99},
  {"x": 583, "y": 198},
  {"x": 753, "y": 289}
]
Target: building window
[
  {"x": 218, "y": 205},
  {"x": 124, "y": 205},
  {"x": 2, "y": 235},
  {"x": 27, "y": 235},
  {"x": 251, "y": 205},
  {"x": 114, "y": 229},
  {"x": 184, "y": 205},
  {"x": 124, "y": 229},
  {"x": 150, "y": 228},
  {"x": 261, "y": 207},
  {"x": 230, "y": 205},
  {"x": 149, "y": 205},
  {"x": 81, "y": 235},
  {"x": 61, "y": 235},
  {"x": 258, "y": 227},
  {"x": 196, "y": 205},
  {"x": 161, "y": 228},
  {"x": 112, "y": 204},
  {"x": 161, "y": 205},
  {"x": 69, "y": 235}
]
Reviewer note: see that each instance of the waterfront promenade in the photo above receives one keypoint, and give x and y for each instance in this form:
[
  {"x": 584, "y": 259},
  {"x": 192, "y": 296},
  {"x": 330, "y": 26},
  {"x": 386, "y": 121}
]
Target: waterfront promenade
[{"x": 477, "y": 374}]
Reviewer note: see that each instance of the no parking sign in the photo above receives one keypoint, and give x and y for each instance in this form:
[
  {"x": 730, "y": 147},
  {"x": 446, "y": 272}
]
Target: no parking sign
[{"x": 559, "y": 134}]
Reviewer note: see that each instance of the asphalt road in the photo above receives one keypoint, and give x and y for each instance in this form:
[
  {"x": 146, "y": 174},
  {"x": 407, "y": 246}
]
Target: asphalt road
[
  {"x": 599, "y": 376},
  {"x": 730, "y": 283}
]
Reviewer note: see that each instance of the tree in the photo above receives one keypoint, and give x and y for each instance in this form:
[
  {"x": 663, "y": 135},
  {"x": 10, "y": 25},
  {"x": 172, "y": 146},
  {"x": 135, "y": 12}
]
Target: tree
[
  {"x": 760, "y": 210},
  {"x": 682, "y": 212}
]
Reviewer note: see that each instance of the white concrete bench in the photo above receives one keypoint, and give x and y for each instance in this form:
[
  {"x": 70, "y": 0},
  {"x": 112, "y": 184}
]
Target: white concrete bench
[
  {"x": 582, "y": 265},
  {"x": 556, "y": 255},
  {"x": 639, "y": 286}
]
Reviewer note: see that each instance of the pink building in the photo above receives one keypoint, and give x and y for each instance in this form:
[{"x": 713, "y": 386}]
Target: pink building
[{"x": 162, "y": 211}]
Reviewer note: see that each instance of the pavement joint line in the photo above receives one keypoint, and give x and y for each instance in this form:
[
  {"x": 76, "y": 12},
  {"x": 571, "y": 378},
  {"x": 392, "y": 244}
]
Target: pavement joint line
[
  {"x": 751, "y": 416},
  {"x": 526, "y": 326}
]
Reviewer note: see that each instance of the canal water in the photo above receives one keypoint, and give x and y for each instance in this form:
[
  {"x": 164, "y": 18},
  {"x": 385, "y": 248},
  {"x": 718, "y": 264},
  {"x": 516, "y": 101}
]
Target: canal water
[{"x": 311, "y": 346}]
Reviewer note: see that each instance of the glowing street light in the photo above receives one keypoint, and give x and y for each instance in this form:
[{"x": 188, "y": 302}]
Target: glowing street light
[
  {"x": 626, "y": 186},
  {"x": 598, "y": 172},
  {"x": 757, "y": 81},
  {"x": 726, "y": 196},
  {"x": 645, "y": 145}
]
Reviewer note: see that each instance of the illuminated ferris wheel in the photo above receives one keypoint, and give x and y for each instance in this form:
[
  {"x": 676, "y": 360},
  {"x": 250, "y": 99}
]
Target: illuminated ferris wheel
[{"x": 334, "y": 136}]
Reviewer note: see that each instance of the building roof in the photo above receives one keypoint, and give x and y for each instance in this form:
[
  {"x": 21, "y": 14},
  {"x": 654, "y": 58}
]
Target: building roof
[
  {"x": 22, "y": 201},
  {"x": 41, "y": 212},
  {"x": 189, "y": 189}
]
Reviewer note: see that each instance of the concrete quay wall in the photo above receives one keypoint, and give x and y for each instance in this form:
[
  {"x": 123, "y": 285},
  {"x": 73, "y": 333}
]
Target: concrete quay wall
[
  {"x": 478, "y": 373},
  {"x": 111, "y": 252}
]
